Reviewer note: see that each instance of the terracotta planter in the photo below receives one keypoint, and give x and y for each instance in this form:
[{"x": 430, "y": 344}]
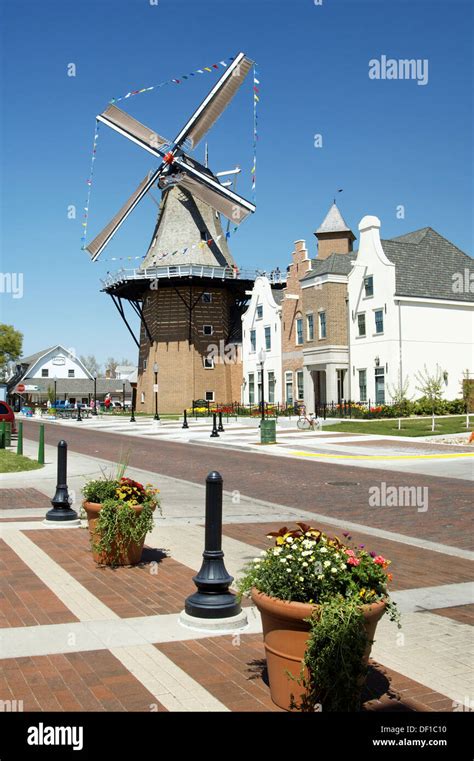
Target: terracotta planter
[
  {"x": 285, "y": 634},
  {"x": 129, "y": 555}
]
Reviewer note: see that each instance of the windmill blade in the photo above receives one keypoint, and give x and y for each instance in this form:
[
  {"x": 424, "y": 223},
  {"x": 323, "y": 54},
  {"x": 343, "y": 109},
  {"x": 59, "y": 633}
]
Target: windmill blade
[
  {"x": 209, "y": 190},
  {"x": 96, "y": 247},
  {"x": 217, "y": 100},
  {"x": 139, "y": 133}
]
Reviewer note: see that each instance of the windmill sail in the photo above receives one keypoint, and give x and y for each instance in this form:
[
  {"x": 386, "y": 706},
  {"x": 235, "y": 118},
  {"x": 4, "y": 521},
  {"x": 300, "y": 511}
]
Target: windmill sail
[
  {"x": 209, "y": 190},
  {"x": 101, "y": 240},
  {"x": 217, "y": 100},
  {"x": 139, "y": 133}
]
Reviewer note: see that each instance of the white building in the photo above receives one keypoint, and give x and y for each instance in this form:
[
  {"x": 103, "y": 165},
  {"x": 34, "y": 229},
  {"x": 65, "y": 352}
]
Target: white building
[
  {"x": 125, "y": 372},
  {"x": 57, "y": 371},
  {"x": 410, "y": 306},
  {"x": 261, "y": 329}
]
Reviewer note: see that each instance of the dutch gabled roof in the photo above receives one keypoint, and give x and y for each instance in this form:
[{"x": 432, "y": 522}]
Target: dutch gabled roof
[
  {"x": 425, "y": 264},
  {"x": 183, "y": 221},
  {"x": 333, "y": 222}
]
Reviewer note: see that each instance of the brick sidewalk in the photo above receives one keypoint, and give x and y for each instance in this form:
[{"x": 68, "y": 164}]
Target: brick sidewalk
[{"x": 221, "y": 672}]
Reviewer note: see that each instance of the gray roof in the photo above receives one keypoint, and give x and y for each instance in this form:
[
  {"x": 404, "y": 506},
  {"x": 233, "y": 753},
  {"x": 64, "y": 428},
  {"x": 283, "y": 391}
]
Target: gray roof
[
  {"x": 425, "y": 263},
  {"x": 333, "y": 222},
  {"x": 83, "y": 386},
  {"x": 29, "y": 361},
  {"x": 334, "y": 264}
]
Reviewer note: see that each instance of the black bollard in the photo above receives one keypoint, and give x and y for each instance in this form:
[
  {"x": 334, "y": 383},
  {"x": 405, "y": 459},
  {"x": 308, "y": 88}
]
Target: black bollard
[
  {"x": 213, "y": 599},
  {"x": 62, "y": 510},
  {"x": 220, "y": 427},
  {"x": 185, "y": 420},
  {"x": 214, "y": 426}
]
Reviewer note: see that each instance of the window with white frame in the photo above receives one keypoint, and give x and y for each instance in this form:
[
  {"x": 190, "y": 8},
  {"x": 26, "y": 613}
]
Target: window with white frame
[
  {"x": 271, "y": 386},
  {"x": 70, "y": 373},
  {"x": 268, "y": 337},
  {"x": 142, "y": 398},
  {"x": 208, "y": 330},
  {"x": 378, "y": 320},
  {"x": 251, "y": 388},
  {"x": 322, "y": 325},
  {"x": 259, "y": 312},
  {"x": 369, "y": 286},
  {"x": 209, "y": 396},
  {"x": 207, "y": 298},
  {"x": 208, "y": 363},
  {"x": 299, "y": 331},
  {"x": 44, "y": 372},
  {"x": 362, "y": 385},
  {"x": 310, "y": 327},
  {"x": 361, "y": 324},
  {"x": 289, "y": 387},
  {"x": 253, "y": 340},
  {"x": 300, "y": 384},
  {"x": 145, "y": 362}
]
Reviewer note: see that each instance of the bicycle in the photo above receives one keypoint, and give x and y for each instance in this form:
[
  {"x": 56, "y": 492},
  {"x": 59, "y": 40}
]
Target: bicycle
[{"x": 306, "y": 422}]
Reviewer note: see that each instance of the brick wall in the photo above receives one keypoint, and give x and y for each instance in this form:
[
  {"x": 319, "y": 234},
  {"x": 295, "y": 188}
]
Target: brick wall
[
  {"x": 291, "y": 309},
  {"x": 179, "y": 347},
  {"x": 333, "y": 243},
  {"x": 330, "y": 298}
]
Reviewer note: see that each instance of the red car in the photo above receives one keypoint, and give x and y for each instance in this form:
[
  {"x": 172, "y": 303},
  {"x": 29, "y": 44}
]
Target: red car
[{"x": 6, "y": 413}]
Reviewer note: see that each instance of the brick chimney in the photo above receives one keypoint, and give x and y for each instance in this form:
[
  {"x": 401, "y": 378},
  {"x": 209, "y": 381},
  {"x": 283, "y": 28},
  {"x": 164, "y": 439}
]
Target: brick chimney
[{"x": 334, "y": 236}]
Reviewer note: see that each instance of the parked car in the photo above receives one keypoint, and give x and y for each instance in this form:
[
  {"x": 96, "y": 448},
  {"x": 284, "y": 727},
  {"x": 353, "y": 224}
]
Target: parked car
[{"x": 7, "y": 414}]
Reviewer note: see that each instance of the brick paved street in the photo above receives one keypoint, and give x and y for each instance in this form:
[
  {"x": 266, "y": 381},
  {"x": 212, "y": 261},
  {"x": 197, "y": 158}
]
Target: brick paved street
[{"x": 75, "y": 636}]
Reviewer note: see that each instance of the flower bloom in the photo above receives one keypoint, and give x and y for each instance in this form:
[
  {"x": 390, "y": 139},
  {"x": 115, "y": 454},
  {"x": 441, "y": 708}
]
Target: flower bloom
[
  {"x": 380, "y": 560},
  {"x": 353, "y": 561}
]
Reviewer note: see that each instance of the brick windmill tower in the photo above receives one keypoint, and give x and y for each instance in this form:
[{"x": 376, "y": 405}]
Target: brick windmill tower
[{"x": 188, "y": 293}]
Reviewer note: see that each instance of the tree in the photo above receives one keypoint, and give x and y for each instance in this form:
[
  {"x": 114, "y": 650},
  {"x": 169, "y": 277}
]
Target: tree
[
  {"x": 431, "y": 386},
  {"x": 111, "y": 366},
  {"x": 90, "y": 362},
  {"x": 11, "y": 343}
]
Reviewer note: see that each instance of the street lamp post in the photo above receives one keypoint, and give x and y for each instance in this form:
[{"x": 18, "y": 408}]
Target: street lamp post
[
  {"x": 261, "y": 358},
  {"x": 155, "y": 388},
  {"x": 94, "y": 411},
  {"x": 55, "y": 393},
  {"x": 134, "y": 401},
  {"x": 123, "y": 396}
]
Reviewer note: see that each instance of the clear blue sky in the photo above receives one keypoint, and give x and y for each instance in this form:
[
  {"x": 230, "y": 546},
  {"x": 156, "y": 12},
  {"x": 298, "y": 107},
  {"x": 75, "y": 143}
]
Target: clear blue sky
[{"x": 385, "y": 142}]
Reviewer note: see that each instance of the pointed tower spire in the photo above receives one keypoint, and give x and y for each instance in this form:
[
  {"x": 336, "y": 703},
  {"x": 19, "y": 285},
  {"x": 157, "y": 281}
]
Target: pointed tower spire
[{"x": 334, "y": 236}]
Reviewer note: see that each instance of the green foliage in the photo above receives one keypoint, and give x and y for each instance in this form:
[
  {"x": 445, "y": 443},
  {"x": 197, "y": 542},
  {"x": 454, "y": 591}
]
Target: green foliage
[
  {"x": 431, "y": 385},
  {"x": 118, "y": 525},
  {"x": 11, "y": 342},
  {"x": 334, "y": 658},
  {"x": 100, "y": 490},
  {"x": 308, "y": 566}
]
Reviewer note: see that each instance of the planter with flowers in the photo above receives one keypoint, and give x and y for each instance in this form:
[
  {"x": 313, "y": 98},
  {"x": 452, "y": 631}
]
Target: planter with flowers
[
  {"x": 120, "y": 514},
  {"x": 320, "y": 600}
]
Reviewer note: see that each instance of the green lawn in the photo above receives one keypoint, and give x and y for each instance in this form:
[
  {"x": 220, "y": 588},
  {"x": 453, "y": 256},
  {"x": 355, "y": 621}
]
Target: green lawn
[
  {"x": 14, "y": 463},
  {"x": 410, "y": 427}
]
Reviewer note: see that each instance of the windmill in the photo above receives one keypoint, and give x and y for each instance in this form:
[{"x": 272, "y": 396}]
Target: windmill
[
  {"x": 188, "y": 291},
  {"x": 176, "y": 168}
]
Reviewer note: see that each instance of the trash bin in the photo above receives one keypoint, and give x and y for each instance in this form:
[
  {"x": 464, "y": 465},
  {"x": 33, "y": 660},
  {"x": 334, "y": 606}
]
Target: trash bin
[
  {"x": 268, "y": 431},
  {"x": 8, "y": 434}
]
